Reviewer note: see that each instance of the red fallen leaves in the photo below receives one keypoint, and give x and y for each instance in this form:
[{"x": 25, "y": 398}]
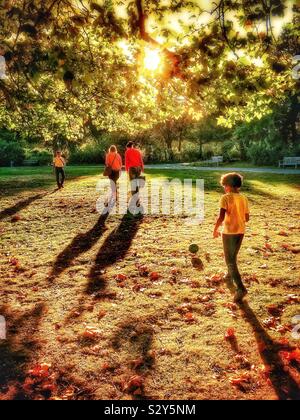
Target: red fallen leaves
[
  {"x": 143, "y": 270},
  {"x": 197, "y": 263},
  {"x": 291, "y": 356},
  {"x": 135, "y": 385},
  {"x": 101, "y": 314},
  {"x": 230, "y": 334},
  {"x": 175, "y": 271},
  {"x": 189, "y": 317},
  {"x": 291, "y": 248},
  {"x": 269, "y": 247},
  {"x": 292, "y": 299},
  {"x": 216, "y": 278},
  {"x": 40, "y": 371},
  {"x": 121, "y": 278},
  {"x": 14, "y": 262},
  {"x": 275, "y": 310},
  {"x": 241, "y": 382},
  {"x": 40, "y": 379},
  {"x": 91, "y": 333},
  {"x": 154, "y": 276},
  {"x": 251, "y": 278},
  {"x": 185, "y": 311},
  {"x": 16, "y": 218},
  {"x": 283, "y": 233}
]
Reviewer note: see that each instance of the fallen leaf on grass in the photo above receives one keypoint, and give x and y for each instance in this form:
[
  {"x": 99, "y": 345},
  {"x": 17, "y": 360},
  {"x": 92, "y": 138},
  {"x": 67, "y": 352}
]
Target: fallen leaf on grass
[
  {"x": 16, "y": 218},
  {"x": 283, "y": 233},
  {"x": 216, "y": 278},
  {"x": 269, "y": 247},
  {"x": 40, "y": 371},
  {"x": 121, "y": 278},
  {"x": 101, "y": 314},
  {"x": 275, "y": 310},
  {"x": 197, "y": 263},
  {"x": 143, "y": 270},
  {"x": 184, "y": 308},
  {"x": 91, "y": 333},
  {"x": 135, "y": 385},
  {"x": 230, "y": 334},
  {"x": 291, "y": 356},
  {"x": 292, "y": 299},
  {"x": 241, "y": 382},
  {"x": 154, "y": 276},
  {"x": 189, "y": 317}
]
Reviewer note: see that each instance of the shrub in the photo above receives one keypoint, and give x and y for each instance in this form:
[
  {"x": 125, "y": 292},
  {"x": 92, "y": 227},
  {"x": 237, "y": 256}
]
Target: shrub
[
  {"x": 263, "y": 154},
  {"x": 89, "y": 154},
  {"x": 11, "y": 151},
  {"x": 42, "y": 157}
]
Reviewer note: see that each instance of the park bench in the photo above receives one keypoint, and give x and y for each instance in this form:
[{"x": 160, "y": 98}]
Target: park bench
[
  {"x": 290, "y": 161},
  {"x": 31, "y": 162},
  {"x": 215, "y": 160}
]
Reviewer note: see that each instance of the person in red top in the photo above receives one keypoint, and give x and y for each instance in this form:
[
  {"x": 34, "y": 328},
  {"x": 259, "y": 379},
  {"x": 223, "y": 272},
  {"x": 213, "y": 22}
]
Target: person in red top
[
  {"x": 113, "y": 160},
  {"x": 134, "y": 165}
]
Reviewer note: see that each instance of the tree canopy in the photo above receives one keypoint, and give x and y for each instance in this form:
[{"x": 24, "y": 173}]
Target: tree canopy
[{"x": 76, "y": 68}]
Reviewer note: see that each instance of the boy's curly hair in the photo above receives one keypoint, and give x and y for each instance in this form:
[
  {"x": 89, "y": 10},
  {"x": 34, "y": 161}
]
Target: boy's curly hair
[{"x": 233, "y": 180}]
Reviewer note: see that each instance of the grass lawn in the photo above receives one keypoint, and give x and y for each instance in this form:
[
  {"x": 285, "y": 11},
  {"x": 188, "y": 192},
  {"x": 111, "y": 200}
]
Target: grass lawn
[{"x": 74, "y": 296}]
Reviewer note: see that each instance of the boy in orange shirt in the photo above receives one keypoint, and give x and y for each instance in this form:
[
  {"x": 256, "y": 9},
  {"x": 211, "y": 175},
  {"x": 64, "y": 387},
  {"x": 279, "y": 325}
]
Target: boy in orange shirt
[
  {"x": 59, "y": 165},
  {"x": 234, "y": 212}
]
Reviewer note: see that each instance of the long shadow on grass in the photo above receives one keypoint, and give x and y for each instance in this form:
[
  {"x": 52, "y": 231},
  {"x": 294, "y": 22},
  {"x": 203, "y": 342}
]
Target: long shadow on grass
[
  {"x": 134, "y": 338},
  {"x": 21, "y": 205},
  {"x": 80, "y": 244},
  {"x": 283, "y": 383},
  {"x": 18, "y": 350},
  {"x": 114, "y": 249}
]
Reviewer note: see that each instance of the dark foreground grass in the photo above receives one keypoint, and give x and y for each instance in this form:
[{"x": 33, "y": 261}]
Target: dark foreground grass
[{"x": 130, "y": 336}]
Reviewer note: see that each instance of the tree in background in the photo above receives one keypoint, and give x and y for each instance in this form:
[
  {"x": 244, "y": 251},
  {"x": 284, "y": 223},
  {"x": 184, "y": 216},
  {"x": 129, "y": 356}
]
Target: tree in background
[{"x": 78, "y": 68}]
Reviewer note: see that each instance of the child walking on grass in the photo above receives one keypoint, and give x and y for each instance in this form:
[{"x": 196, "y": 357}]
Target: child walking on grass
[
  {"x": 59, "y": 165},
  {"x": 234, "y": 213}
]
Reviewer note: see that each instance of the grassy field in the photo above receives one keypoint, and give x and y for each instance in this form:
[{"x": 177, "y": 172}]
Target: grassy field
[{"x": 85, "y": 321}]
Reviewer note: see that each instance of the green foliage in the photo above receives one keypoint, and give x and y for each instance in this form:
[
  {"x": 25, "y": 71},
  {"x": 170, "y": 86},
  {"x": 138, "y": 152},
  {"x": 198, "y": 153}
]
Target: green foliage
[
  {"x": 90, "y": 154},
  {"x": 11, "y": 151},
  {"x": 41, "y": 157},
  {"x": 75, "y": 70}
]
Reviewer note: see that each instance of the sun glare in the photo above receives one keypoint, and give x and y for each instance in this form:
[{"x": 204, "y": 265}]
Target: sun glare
[{"x": 152, "y": 59}]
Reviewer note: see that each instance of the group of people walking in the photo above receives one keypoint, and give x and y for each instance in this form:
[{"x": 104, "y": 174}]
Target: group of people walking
[{"x": 134, "y": 165}]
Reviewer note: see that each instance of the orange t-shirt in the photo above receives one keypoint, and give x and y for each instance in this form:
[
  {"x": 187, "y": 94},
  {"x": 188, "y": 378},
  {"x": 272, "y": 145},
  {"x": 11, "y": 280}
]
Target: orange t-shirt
[
  {"x": 236, "y": 206},
  {"x": 114, "y": 161},
  {"x": 59, "y": 162}
]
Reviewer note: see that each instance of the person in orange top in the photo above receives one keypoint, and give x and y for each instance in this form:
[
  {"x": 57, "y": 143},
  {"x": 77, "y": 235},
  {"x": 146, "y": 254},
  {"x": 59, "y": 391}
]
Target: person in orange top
[
  {"x": 234, "y": 213},
  {"x": 113, "y": 161},
  {"x": 59, "y": 165},
  {"x": 134, "y": 164}
]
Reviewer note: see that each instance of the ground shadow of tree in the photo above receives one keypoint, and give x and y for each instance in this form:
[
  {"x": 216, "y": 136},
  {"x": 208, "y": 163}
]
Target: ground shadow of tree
[
  {"x": 80, "y": 244},
  {"x": 21, "y": 205},
  {"x": 283, "y": 383},
  {"x": 18, "y": 350},
  {"x": 114, "y": 249},
  {"x": 134, "y": 338}
]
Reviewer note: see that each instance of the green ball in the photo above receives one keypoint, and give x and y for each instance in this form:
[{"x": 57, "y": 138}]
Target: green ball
[{"x": 193, "y": 249}]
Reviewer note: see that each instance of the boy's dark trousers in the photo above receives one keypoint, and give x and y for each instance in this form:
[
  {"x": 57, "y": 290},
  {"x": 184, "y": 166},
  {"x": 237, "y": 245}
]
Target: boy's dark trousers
[
  {"x": 60, "y": 176},
  {"x": 232, "y": 245}
]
